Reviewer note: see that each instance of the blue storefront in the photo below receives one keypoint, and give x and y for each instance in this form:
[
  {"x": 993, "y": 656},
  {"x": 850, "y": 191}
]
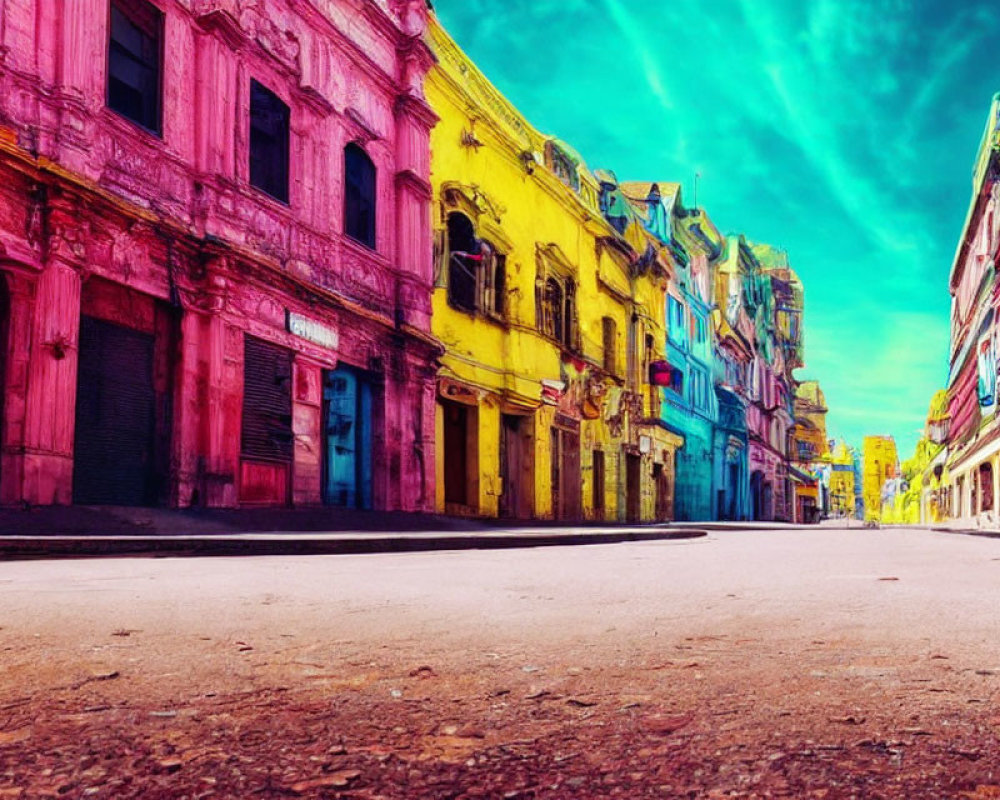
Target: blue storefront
[
  {"x": 729, "y": 456},
  {"x": 689, "y": 407}
]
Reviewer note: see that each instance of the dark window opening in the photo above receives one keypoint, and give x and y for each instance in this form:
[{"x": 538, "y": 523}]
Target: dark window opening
[
  {"x": 609, "y": 337},
  {"x": 599, "y": 484},
  {"x": 269, "y": 139},
  {"x": 557, "y": 319},
  {"x": 569, "y": 316},
  {"x": 499, "y": 284},
  {"x": 134, "y": 55},
  {"x": 553, "y": 309},
  {"x": 677, "y": 380},
  {"x": 359, "y": 196},
  {"x": 463, "y": 262}
]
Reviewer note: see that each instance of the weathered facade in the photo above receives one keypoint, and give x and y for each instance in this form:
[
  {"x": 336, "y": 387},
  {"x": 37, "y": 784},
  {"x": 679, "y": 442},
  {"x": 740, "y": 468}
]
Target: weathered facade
[
  {"x": 881, "y": 464},
  {"x": 811, "y": 453},
  {"x": 550, "y": 317},
  {"x": 974, "y": 434},
  {"x": 216, "y": 260},
  {"x": 842, "y": 482},
  {"x": 689, "y": 405},
  {"x": 734, "y": 340}
]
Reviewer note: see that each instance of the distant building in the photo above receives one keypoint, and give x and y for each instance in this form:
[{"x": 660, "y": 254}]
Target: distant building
[
  {"x": 842, "y": 482},
  {"x": 881, "y": 464},
  {"x": 811, "y": 452}
]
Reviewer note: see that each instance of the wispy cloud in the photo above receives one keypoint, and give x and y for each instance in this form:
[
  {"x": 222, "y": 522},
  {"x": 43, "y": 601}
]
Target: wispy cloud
[{"x": 841, "y": 130}]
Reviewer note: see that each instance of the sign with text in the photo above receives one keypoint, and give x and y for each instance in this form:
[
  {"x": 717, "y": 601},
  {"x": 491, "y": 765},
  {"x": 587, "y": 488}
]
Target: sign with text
[{"x": 311, "y": 330}]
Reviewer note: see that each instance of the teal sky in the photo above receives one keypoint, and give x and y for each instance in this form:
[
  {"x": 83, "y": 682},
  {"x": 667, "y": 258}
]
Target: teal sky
[{"x": 842, "y": 131}]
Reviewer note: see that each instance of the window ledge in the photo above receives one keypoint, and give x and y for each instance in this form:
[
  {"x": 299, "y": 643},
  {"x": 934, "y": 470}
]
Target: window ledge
[
  {"x": 258, "y": 192},
  {"x": 485, "y": 316},
  {"x": 362, "y": 250}
]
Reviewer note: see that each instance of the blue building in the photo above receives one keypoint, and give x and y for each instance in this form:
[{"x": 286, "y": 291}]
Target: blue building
[{"x": 689, "y": 404}]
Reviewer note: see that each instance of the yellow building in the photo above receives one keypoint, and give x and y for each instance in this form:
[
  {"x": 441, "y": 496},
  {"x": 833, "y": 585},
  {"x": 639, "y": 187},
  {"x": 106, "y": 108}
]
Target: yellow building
[
  {"x": 842, "y": 481},
  {"x": 880, "y": 464},
  {"x": 811, "y": 450},
  {"x": 926, "y": 497},
  {"x": 549, "y": 316}
]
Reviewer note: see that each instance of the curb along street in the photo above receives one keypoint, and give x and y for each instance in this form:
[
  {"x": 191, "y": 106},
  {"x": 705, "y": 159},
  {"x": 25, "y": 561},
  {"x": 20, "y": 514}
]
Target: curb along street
[{"x": 14, "y": 547}]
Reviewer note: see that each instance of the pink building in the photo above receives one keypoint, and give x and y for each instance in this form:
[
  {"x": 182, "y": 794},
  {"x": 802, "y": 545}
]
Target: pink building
[{"x": 215, "y": 253}]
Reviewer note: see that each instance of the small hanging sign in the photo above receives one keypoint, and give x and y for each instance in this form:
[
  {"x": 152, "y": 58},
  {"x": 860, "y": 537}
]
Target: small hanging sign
[{"x": 311, "y": 330}]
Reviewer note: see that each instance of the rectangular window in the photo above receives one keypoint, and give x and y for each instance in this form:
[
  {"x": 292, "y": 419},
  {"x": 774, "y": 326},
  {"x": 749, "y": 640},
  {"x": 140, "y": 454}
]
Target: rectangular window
[
  {"x": 359, "y": 195},
  {"x": 269, "y": 120},
  {"x": 499, "y": 284},
  {"x": 676, "y": 330},
  {"x": 134, "y": 56},
  {"x": 610, "y": 341}
]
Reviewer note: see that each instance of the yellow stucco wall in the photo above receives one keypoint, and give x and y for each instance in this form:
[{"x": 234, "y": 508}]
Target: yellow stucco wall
[{"x": 490, "y": 165}]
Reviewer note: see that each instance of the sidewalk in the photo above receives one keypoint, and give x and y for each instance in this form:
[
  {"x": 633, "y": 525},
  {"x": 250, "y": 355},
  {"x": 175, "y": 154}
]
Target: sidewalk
[{"x": 78, "y": 532}]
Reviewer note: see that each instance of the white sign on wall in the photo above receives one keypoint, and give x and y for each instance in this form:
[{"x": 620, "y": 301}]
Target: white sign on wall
[{"x": 311, "y": 330}]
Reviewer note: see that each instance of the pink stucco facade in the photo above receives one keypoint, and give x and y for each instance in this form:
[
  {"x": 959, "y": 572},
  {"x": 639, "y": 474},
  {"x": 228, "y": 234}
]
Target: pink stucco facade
[{"x": 113, "y": 237}]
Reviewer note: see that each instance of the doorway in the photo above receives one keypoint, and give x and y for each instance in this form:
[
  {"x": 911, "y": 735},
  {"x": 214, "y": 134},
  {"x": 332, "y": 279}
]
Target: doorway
[
  {"x": 348, "y": 406},
  {"x": 515, "y": 466},
  {"x": 565, "y": 473},
  {"x": 756, "y": 494},
  {"x": 633, "y": 489},
  {"x": 733, "y": 488},
  {"x": 114, "y": 458},
  {"x": 460, "y": 457}
]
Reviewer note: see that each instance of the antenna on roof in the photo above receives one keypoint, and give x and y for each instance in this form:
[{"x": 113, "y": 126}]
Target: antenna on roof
[{"x": 697, "y": 175}]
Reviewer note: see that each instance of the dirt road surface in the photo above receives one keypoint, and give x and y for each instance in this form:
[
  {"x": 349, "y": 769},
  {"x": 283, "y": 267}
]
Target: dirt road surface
[{"x": 815, "y": 664}]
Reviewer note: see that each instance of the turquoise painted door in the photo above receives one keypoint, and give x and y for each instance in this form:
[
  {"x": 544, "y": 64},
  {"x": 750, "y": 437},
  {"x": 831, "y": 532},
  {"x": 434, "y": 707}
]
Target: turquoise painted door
[{"x": 347, "y": 406}]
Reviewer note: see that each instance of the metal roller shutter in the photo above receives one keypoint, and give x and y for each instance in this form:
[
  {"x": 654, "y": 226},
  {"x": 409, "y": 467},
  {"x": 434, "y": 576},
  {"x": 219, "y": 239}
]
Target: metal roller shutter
[
  {"x": 267, "y": 401},
  {"x": 113, "y": 451}
]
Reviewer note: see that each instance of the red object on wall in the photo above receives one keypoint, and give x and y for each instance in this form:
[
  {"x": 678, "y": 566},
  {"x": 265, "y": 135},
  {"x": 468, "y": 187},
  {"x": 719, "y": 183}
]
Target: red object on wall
[
  {"x": 660, "y": 373},
  {"x": 138, "y": 206}
]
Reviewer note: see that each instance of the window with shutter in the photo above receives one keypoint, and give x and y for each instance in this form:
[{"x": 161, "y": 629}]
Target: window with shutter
[{"x": 267, "y": 401}]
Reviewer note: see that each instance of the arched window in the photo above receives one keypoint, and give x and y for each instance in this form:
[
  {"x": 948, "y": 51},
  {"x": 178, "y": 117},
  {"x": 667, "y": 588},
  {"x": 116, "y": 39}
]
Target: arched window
[
  {"x": 464, "y": 262},
  {"x": 359, "y": 196}
]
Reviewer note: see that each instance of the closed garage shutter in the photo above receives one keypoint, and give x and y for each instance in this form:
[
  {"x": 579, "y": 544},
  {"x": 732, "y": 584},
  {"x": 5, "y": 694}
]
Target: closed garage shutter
[
  {"x": 113, "y": 460},
  {"x": 267, "y": 402}
]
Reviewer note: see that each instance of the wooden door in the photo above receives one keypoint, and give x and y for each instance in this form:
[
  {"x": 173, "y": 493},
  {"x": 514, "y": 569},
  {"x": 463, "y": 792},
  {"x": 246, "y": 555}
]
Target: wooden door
[
  {"x": 456, "y": 439},
  {"x": 515, "y": 467},
  {"x": 633, "y": 473}
]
